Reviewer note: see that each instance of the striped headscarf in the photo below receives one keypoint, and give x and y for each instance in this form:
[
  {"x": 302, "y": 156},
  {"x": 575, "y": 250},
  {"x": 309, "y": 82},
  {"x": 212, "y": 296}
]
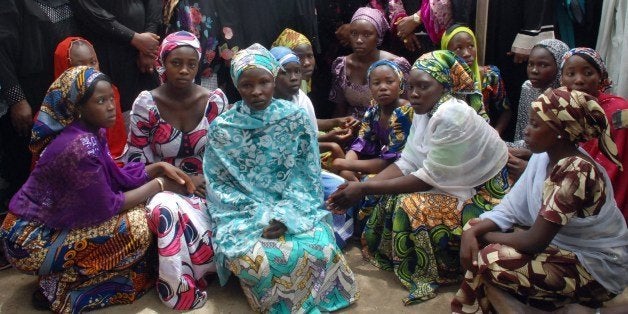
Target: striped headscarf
[
  {"x": 172, "y": 42},
  {"x": 394, "y": 66},
  {"x": 594, "y": 58},
  {"x": 290, "y": 38},
  {"x": 375, "y": 17},
  {"x": 284, "y": 55},
  {"x": 60, "y": 105},
  {"x": 579, "y": 115},
  {"x": 454, "y": 74},
  {"x": 253, "y": 57}
]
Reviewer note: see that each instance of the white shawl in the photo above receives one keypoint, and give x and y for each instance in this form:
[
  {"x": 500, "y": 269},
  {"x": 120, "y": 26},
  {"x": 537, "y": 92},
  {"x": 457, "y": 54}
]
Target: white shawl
[
  {"x": 454, "y": 151},
  {"x": 600, "y": 242}
]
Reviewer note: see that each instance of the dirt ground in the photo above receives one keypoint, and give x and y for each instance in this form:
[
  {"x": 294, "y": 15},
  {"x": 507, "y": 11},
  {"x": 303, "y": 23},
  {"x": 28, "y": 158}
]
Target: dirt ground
[{"x": 380, "y": 292}]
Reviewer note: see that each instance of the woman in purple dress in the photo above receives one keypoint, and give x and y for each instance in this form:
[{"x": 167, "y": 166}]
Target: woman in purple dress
[{"x": 78, "y": 222}]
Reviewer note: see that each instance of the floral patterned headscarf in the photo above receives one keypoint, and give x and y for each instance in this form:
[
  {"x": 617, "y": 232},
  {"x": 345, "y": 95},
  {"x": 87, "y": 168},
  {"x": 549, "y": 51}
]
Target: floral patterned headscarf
[
  {"x": 454, "y": 74},
  {"x": 60, "y": 105},
  {"x": 290, "y": 38},
  {"x": 579, "y": 115},
  {"x": 255, "y": 56}
]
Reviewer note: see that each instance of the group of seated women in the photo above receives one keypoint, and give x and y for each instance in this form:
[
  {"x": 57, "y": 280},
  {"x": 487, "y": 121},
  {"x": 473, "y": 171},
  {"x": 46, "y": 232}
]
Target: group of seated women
[{"x": 414, "y": 166}]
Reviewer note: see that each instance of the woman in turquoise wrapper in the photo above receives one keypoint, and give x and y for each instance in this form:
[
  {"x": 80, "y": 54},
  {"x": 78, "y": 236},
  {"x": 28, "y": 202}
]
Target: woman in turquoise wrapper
[{"x": 266, "y": 202}]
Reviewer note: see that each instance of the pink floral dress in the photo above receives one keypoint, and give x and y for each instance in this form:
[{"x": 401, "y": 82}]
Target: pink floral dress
[{"x": 181, "y": 222}]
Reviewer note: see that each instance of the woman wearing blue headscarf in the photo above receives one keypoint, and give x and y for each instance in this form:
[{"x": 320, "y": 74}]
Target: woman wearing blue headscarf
[{"x": 265, "y": 199}]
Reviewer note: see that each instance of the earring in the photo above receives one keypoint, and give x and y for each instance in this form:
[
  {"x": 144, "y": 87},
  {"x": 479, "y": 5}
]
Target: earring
[{"x": 559, "y": 136}]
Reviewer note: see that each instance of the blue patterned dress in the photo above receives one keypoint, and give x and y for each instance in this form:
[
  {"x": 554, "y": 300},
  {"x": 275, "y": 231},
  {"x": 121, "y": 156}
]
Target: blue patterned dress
[{"x": 264, "y": 165}]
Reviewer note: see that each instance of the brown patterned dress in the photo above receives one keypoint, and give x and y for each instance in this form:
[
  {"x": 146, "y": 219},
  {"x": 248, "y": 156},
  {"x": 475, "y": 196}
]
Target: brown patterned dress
[{"x": 554, "y": 277}]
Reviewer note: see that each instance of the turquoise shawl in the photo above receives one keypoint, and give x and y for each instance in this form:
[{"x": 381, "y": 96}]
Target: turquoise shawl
[{"x": 261, "y": 165}]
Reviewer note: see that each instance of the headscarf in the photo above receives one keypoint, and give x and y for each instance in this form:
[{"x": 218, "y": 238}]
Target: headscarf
[
  {"x": 62, "y": 53},
  {"x": 396, "y": 69},
  {"x": 579, "y": 115},
  {"x": 375, "y": 17},
  {"x": 594, "y": 58},
  {"x": 60, "y": 105},
  {"x": 253, "y": 57},
  {"x": 172, "y": 42},
  {"x": 449, "y": 35},
  {"x": 290, "y": 38},
  {"x": 454, "y": 74},
  {"x": 284, "y": 55},
  {"x": 558, "y": 49}
]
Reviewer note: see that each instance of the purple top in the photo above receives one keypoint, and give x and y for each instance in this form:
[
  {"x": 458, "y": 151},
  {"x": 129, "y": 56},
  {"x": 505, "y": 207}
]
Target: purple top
[
  {"x": 76, "y": 183},
  {"x": 357, "y": 96}
]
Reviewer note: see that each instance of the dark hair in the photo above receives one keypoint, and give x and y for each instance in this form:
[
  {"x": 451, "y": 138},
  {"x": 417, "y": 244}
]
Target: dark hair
[{"x": 90, "y": 90}]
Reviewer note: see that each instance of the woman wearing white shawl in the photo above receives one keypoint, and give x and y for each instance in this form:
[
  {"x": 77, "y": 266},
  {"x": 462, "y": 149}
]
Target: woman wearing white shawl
[
  {"x": 576, "y": 247},
  {"x": 450, "y": 151}
]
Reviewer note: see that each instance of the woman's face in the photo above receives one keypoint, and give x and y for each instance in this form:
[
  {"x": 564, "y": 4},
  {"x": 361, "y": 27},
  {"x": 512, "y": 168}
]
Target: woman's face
[
  {"x": 385, "y": 85},
  {"x": 424, "y": 91},
  {"x": 288, "y": 81},
  {"x": 462, "y": 45},
  {"x": 578, "y": 74},
  {"x": 256, "y": 86},
  {"x": 538, "y": 135},
  {"x": 306, "y": 56},
  {"x": 99, "y": 111},
  {"x": 363, "y": 37},
  {"x": 83, "y": 54},
  {"x": 542, "y": 68},
  {"x": 181, "y": 65}
]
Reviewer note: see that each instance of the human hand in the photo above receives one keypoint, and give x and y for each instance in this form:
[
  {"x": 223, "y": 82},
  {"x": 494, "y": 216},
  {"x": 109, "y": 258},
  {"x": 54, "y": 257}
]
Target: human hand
[
  {"x": 520, "y": 152},
  {"x": 199, "y": 182},
  {"x": 516, "y": 166},
  {"x": 349, "y": 175},
  {"x": 347, "y": 195},
  {"x": 178, "y": 177},
  {"x": 411, "y": 42},
  {"x": 145, "y": 63},
  {"x": 348, "y": 122},
  {"x": 340, "y": 135},
  {"x": 22, "y": 118},
  {"x": 146, "y": 43},
  {"x": 406, "y": 26},
  {"x": 469, "y": 249},
  {"x": 274, "y": 230},
  {"x": 343, "y": 35},
  {"x": 518, "y": 57}
]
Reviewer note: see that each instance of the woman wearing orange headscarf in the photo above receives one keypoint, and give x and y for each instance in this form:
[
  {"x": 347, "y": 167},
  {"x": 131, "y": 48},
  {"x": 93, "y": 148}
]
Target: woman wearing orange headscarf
[{"x": 75, "y": 51}]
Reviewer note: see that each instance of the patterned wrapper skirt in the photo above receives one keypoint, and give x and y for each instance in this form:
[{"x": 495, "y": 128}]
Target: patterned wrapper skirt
[
  {"x": 548, "y": 280},
  {"x": 84, "y": 268},
  {"x": 417, "y": 235},
  {"x": 184, "y": 245},
  {"x": 304, "y": 273}
]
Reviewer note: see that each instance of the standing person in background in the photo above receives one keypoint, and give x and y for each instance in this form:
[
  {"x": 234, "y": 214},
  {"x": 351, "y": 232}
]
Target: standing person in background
[
  {"x": 124, "y": 34},
  {"x": 29, "y": 32},
  {"x": 612, "y": 44}
]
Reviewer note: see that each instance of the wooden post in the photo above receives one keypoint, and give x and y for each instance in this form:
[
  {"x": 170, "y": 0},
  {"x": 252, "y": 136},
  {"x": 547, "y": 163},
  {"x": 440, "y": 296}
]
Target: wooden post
[{"x": 481, "y": 24}]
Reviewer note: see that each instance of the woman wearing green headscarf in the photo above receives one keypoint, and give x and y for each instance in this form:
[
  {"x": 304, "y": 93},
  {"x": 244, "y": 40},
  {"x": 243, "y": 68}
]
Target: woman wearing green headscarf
[
  {"x": 430, "y": 192},
  {"x": 461, "y": 41},
  {"x": 265, "y": 199}
]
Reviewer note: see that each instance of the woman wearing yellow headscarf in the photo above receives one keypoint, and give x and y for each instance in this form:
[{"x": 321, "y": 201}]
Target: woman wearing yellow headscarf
[
  {"x": 461, "y": 40},
  {"x": 302, "y": 47}
]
